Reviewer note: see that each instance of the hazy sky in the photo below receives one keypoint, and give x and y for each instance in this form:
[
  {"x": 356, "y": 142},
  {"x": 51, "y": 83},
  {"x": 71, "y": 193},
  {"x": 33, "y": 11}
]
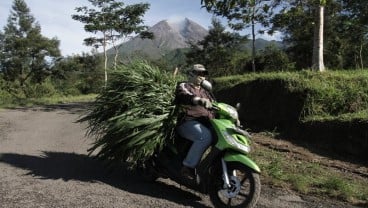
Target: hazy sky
[{"x": 55, "y": 19}]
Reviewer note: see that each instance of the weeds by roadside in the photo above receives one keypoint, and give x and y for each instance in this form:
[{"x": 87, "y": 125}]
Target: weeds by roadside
[
  {"x": 57, "y": 99},
  {"x": 310, "y": 174}
]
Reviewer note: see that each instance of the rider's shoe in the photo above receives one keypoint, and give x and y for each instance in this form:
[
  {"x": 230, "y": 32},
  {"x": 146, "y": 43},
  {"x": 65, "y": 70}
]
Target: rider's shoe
[{"x": 187, "y": 173}]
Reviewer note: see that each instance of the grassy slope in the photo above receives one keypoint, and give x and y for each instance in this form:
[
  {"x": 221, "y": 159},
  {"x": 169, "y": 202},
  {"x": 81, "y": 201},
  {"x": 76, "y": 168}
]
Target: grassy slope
[
  {"x": 288, "y": 166},
  {"x": 341, "y": 95}
]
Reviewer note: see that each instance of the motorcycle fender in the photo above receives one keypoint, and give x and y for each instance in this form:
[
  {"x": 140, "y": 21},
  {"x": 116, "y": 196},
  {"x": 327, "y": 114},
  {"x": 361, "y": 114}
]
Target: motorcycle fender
[{"x": 238, "y": 157}]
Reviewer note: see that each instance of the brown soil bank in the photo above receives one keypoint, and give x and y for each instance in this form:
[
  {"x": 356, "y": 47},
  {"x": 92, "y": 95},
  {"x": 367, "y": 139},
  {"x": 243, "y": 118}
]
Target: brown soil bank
[{"x": 269, "y": 105}]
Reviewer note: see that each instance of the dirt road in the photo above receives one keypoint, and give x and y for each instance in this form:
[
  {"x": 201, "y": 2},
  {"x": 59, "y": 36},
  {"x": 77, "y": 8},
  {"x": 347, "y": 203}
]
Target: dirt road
[{"x": 43, "y": 163}]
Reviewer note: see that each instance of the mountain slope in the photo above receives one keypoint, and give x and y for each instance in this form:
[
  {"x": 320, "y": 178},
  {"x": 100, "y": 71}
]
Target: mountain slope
[{"x": 168, "y": 35}]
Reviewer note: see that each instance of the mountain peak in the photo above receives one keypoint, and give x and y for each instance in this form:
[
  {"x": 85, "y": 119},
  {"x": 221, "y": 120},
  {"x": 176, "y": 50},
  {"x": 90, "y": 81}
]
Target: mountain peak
[
  {"x": 176, "y": 33},
  {"x": 168, "y": 35},
  {"x": 177, "y": 25}
]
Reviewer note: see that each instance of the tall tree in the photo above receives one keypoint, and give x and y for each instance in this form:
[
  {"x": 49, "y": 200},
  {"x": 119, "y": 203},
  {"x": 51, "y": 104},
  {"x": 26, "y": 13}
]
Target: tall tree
[
  {"x": 132, "y": 22},
  {"x": 79, "y": 72},
  {"x": 216, "y": 50},
  {"x": 296, "y": 34},
  {"x": 242, "y": 14},
  {"x": 25, "y": 53},
  {"x": 297, "y": 9},
  {"x": 355, "y": 30},
  {"x": 113, "y": 20},
  {"x": 274, "y": 59},
  {"x": 317, "y": 60}
]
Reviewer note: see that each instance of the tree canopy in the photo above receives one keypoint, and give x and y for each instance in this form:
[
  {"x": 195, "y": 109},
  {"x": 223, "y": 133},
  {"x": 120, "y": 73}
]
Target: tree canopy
[
  {"x": 26, "y": 55},
  {"x": 217, "y": 51},
  {"x": 113, "y": 20},
  {"x": 242, "y": 14}
]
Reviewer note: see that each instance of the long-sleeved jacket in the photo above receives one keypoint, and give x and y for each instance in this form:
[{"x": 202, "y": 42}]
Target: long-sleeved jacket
[{"x": 185, "y": 92}]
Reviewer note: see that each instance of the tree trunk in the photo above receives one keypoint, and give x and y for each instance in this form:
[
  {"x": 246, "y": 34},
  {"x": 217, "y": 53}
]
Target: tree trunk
[
  {"x": 317, "y": 62},
  {"x": 361, "y": 56},
  {"x": 105, "y": 53},
  {"x": 116, "y": 56},
  {"x": 253, "y": 43},
  {"x": 116, "y": 49}
]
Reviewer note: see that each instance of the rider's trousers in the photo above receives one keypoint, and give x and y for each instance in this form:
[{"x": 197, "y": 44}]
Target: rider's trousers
[{"x": 201, "y": 137}]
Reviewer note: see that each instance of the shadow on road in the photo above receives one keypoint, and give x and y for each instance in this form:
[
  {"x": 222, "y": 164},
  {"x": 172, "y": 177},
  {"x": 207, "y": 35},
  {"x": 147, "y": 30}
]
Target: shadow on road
[
  {"x": 73, "y": 108},
  {"x": 71, "y": 166}
]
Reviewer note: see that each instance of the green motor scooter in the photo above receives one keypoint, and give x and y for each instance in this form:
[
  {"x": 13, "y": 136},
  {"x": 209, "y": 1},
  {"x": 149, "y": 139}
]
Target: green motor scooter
[{"x": 225, "y": 173}]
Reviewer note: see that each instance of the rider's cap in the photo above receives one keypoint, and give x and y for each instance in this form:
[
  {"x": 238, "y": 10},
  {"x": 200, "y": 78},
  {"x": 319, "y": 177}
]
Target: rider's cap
[{"x": 199, "y": 70}]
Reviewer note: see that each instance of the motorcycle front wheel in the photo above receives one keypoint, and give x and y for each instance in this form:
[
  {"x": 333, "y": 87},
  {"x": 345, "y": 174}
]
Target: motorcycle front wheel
[{"x": 244, "y": 190}]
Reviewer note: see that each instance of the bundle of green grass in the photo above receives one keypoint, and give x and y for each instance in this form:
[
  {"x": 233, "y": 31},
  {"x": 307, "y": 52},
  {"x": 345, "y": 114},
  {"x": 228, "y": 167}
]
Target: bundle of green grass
[{"x": 134, "y": 116}]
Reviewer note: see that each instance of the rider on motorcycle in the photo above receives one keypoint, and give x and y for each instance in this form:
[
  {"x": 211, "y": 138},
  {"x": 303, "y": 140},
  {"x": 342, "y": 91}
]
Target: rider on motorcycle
[{"x": 195, "y": 104}]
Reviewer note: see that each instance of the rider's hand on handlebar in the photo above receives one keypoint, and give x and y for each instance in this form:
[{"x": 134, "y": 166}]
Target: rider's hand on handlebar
[{"x": 205, "y": 103}]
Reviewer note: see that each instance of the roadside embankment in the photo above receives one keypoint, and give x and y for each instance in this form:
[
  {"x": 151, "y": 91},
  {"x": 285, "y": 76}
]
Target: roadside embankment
[{"x": 326, "y": 111}]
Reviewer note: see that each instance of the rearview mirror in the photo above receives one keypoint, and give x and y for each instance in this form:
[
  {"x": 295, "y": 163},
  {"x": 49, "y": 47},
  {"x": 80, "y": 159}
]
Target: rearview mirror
[
  {"x": 237, "y": 106},
  {"x": 206, "y": 85}
]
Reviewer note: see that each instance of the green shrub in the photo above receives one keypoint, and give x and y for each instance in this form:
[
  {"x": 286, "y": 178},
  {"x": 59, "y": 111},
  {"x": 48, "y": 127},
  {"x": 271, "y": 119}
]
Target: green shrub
[
  {"x": 45, "y": 89},
  {"x": 335, "y": 93},
  {"x": 328, "y": 95},
  {"x": 5, "y": 96}
]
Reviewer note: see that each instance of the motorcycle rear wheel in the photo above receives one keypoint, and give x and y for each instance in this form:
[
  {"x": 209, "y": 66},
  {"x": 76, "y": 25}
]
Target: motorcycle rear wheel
[{"x": 244, "y": 191}]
